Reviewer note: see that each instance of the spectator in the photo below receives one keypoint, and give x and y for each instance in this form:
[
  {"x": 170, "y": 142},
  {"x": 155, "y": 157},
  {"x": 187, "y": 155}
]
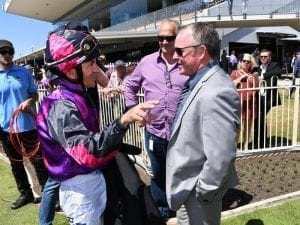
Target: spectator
[
  {"x": 232, "y": 61},
  {"x": 37, "y": 73},
  {"x": 18, "y": 92},
  {"x": 293, "y": 63},
  {"x": 230, "y": 5},
  {"x": 244, "y": 8},
  {"x": 296, "y": 71},
  {"x": 131, "y": 68},
  {"x": 269, "y": 73},
  {"x": 158, "y": 75},
  {"x": 30, "y": 69},
  {"x": 201, "y": 151},
  {"x": 105, "y": 66},
  {"x": 102, "y": 59},
  {"x": 224, "y": 61},
  {"x": 245, "y": 78},
  {"x": 255, "y": 54},
  {"x": 117, "y": 77},
  {"x": 68, "y": 127},
  {"x": 286, "y": 62}
]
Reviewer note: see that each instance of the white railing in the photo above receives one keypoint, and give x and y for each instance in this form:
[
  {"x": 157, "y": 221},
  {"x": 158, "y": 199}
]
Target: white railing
[{"x": 283, "y": 121}]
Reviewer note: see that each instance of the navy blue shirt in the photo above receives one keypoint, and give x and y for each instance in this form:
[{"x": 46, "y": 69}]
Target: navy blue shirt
[{"x": 191, "y": 83}]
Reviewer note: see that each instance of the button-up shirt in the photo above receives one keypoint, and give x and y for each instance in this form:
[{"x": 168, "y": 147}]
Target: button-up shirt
[
  {"x": 158, "y": 83},
  {"x": 263, "y": 68},
  {"x": 192, "y": 82}
]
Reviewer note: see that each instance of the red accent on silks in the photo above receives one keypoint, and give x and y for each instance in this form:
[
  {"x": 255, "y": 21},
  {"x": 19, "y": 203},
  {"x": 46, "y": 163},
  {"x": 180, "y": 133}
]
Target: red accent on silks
[{"x": 81, "y": 155}]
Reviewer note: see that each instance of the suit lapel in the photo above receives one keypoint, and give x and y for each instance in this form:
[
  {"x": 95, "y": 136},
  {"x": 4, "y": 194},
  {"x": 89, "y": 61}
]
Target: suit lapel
[{"x": 197, "y": 88}]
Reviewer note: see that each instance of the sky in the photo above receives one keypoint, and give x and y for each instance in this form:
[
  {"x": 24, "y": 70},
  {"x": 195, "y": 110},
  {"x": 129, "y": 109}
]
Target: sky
[{"x": 26, "y": 34}]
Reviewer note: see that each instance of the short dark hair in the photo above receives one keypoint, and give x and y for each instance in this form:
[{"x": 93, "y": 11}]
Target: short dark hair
[
  {"x": 206, "y": 34},
  {"x": 266, "y": 50},
  {"x": 6, "y": 44}
]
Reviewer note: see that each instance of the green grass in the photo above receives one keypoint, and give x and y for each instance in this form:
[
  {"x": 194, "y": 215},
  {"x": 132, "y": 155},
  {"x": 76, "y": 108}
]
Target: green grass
[
  {"x": 287, "y": 213},
  {"x": 285, "y": 116},
  {"x": 27, "y": 215}
]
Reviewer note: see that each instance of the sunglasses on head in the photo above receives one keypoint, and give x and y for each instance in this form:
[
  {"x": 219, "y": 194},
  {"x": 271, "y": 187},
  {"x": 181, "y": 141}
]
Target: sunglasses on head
[
  {"x": 179, "y": 51},
  {"x": 167, "y": 38},
  {"x": 5, "y": 51}
]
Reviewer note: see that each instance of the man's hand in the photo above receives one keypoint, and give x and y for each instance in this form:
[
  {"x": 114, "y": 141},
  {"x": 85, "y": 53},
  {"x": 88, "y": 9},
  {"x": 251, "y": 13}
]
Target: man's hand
[
  {"x": 26, "y": 105},
  {"x": 101, "y": 78},
  {"x": 139, "y": 114}
]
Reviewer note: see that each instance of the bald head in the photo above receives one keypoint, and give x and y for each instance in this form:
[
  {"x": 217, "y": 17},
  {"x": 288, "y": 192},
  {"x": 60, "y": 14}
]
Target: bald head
[
  {"x": 168, "y": 25},
  {"x": 166, "y": 37}
]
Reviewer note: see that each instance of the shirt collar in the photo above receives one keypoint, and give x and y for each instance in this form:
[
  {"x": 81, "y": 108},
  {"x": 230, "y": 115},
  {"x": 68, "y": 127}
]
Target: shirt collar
[
  {"x": 194, "y": 79},
  {"x": 161, "y": 60},
  {"x": 13, "y": 67},
  {"x": 65, "y": 84}
]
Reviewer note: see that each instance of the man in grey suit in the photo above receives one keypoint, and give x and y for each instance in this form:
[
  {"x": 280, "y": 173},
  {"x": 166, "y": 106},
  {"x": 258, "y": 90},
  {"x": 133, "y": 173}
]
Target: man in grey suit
[{"x": 201, "y": 152}]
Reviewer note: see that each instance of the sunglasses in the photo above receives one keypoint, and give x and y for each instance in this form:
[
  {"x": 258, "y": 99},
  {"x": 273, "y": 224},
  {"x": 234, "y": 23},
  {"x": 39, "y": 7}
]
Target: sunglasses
[
  {"x": 264, "y": 56},
  {"x": 246, "y": 61},
  {"x": 167, "y": 38},
  {"x": 179, "y": 51},
  {"x": 87, "y": 45},
  {"x": 5, "y": 51}
]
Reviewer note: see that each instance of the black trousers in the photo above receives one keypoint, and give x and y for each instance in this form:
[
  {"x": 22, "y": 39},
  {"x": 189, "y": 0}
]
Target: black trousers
[
  {"x": 17, "y": 165},
  {"x": 260, "y": 123}
]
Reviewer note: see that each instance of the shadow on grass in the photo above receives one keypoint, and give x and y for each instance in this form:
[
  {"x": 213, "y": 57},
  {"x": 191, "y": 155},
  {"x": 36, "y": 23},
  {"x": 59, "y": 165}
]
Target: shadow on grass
[
  {"x": 235, "y": 198},
  {"x": 254, "y": 222}
]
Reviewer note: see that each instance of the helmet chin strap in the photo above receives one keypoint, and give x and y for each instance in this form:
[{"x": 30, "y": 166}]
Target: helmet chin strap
[
  {"x": 80, "y": 76},
  {"x": 85, "y": 92}
]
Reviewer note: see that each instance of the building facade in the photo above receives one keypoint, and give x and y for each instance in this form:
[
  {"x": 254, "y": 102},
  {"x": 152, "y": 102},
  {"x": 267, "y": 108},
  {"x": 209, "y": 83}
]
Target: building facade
[{"x": 127, "y": 28}]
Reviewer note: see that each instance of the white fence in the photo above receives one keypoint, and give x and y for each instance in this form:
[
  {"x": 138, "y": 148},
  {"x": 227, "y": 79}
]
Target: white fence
[{"x": 282, "y": 121}]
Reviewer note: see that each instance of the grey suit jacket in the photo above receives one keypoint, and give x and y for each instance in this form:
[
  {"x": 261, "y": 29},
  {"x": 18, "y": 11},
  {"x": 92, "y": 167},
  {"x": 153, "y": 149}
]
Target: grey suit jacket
[{"x": 202, "y": 148}]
